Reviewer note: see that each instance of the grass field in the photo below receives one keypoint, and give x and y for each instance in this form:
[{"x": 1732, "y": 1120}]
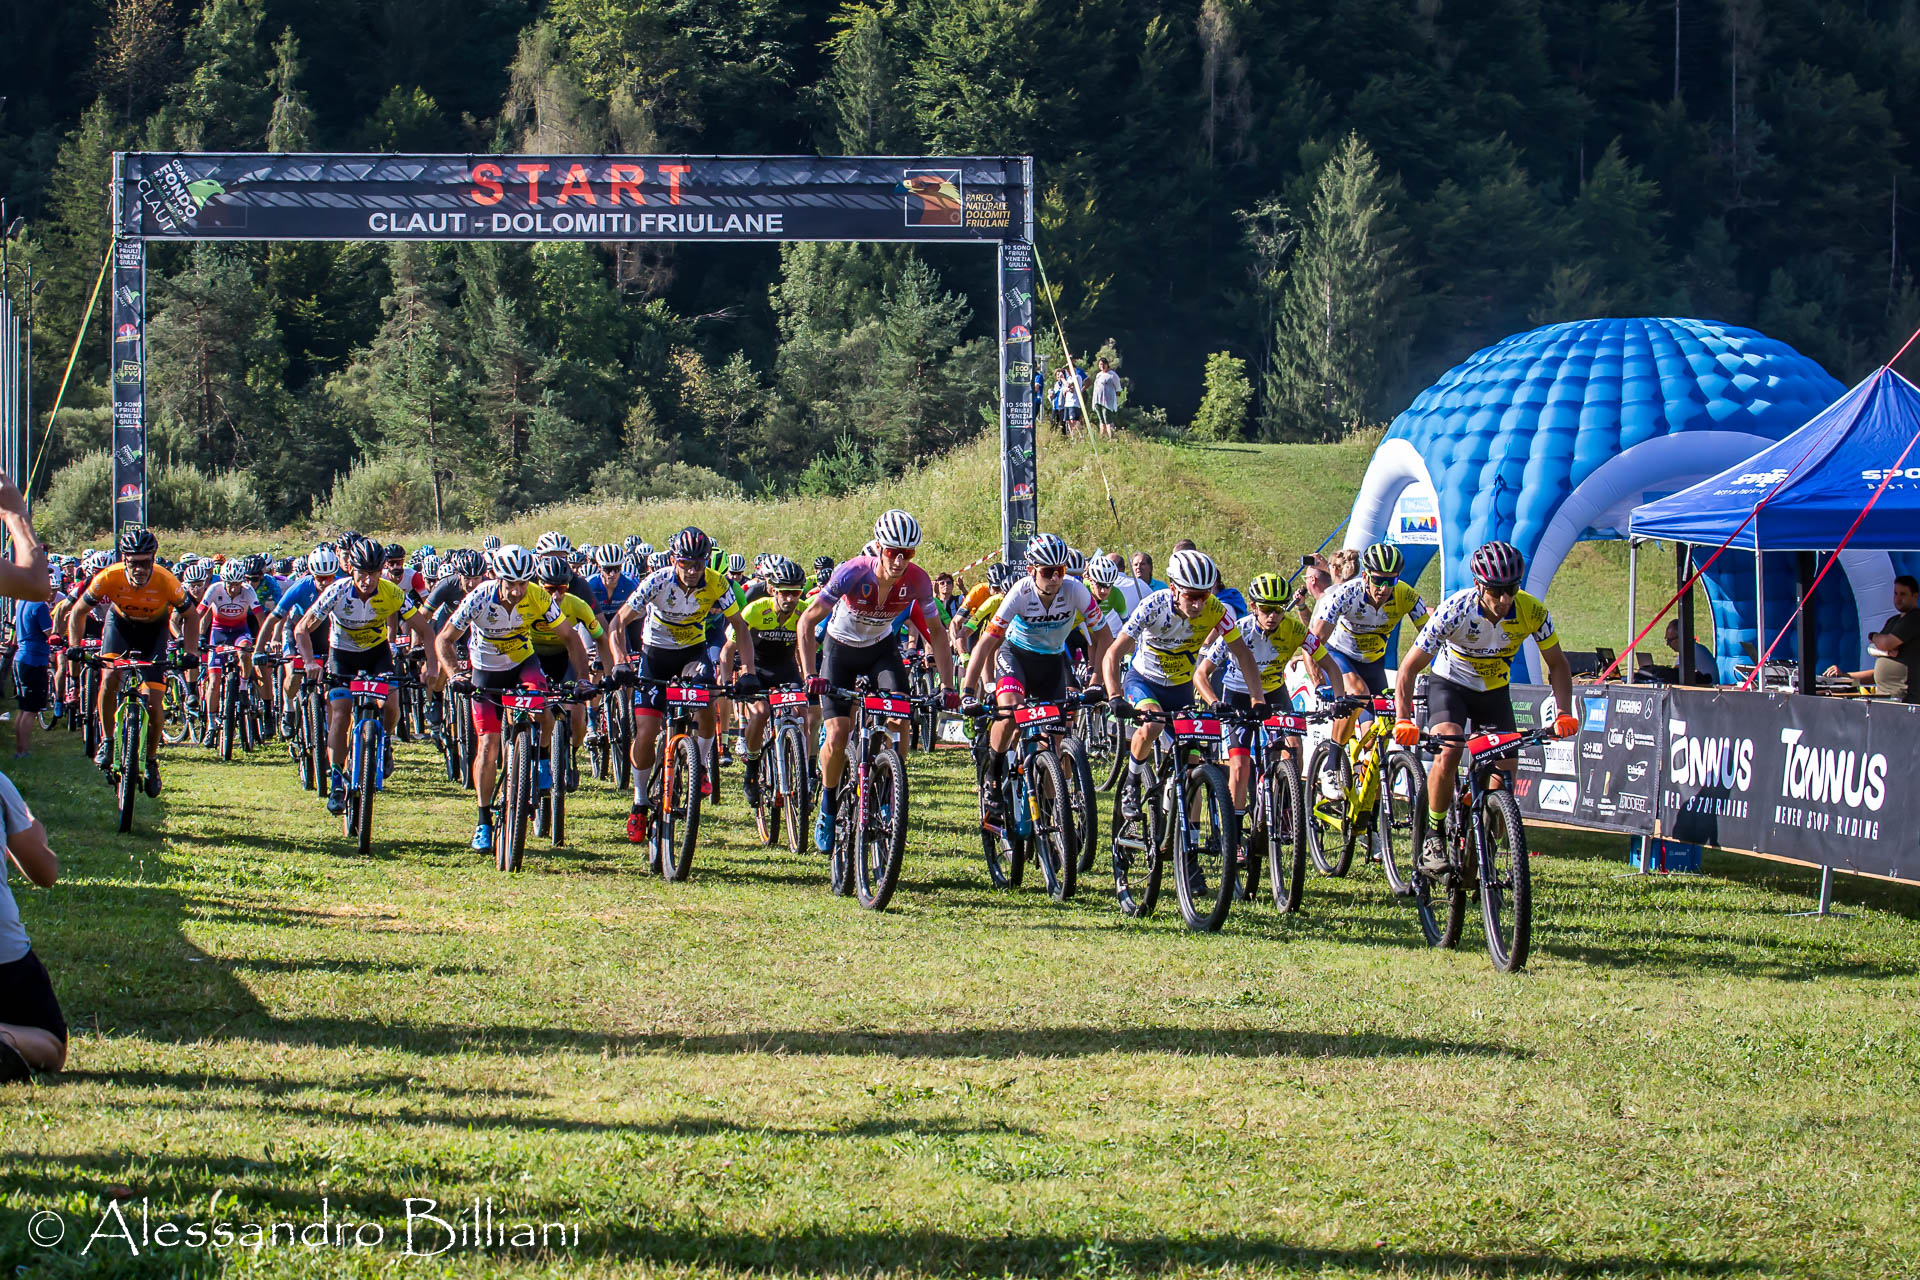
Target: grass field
[
  {"x": 1253, "y": 507},
  {"x": 745, "y": 1074}
]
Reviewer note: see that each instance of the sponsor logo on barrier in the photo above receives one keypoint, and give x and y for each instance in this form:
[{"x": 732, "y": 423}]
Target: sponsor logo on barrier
[
  {"x": 1633, "y": 706},
  {"x": 1618, "y": 737},
  {"x": 1557, "y": 757},
  {"x": 1557, "y": 795},
  {"x": 933, "y": 197},
  {"x": 1019, "y": 333},
  {"x": 1708, "y": 763},
  {"x": 1636, "y": 770},
  {"x": 1592, "y": 750},
  {"x": 1830, "y": 775},
  {"x": 1633, "y": 802},
  {"x": 1596, "y": 715}
]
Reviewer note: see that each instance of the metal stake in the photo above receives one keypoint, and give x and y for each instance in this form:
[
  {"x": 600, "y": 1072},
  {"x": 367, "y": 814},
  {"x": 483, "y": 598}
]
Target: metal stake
[{"x": 1826, "y": 900}]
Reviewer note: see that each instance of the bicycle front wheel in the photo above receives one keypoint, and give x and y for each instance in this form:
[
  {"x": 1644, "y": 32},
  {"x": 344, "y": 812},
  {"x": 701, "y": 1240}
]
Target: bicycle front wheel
[
  {"x": 796, "y": 779},
  {"x": 880, "y": 829},
  {"x": 1286, "y": 852},
  {"x": 1083, "y": 809},
  {"x": 1331, "y": 833},
  {"x": 1402, "y": 825},
  {"x": 1506, "y": 880},
  {"x": 131, "y": 761},
  {"x": 516, "y": 804},
  {"x": 366, "y": 768},
  {"x": 683, "y": 806},
  {"x": 1005, "y": 851},
  {"x": 1201, "y": 848},
  {"x": 1056, "y": 849},
  {"x": 560, "y": 757}
]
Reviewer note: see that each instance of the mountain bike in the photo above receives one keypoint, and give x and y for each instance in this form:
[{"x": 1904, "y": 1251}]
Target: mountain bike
[
  {"x": 367, "y": 747},
  {"x": 1040, "y": 809},
  {"x": 786, "y": 772},
  {"x": 1486, "y": 846},
  {"x": 308, "y": 745},
  {"x": 870, "y": 831},
  {"x": 1274, "y": 809},
  {"x": 550, "y": 816},
  {"x": 1380, "y": 789},
  {"x": 674, "y": 784},
  {"x": 130, "y": 725},
  {"x": 516, "y": 800},
  {"x": 923, "y": 727},
  {"x": 1184, "y": 820},
  {"x": 234, "y": 721}
]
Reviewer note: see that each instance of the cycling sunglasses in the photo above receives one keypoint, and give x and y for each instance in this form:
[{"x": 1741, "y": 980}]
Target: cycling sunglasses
[{"x": 904, "y": 553}]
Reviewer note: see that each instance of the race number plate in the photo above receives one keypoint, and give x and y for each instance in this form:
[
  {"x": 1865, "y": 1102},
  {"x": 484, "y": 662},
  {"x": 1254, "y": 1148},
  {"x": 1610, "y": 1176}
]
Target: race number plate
[
  {"x": 1481, "y": 743},
  {"x": 1196, "y": 730},
  {"x": 787, "y": 698},
  {"x": 887, "y": 704},
  {"x": 524, "y": 701},
  {"x": 1043, "y": 713},
  {"x": 688, "y": 696},
  {"x": 1289, "y": 721},
  {"x": 371, "y": 688},
  {"x": 1383, "y": 706}
]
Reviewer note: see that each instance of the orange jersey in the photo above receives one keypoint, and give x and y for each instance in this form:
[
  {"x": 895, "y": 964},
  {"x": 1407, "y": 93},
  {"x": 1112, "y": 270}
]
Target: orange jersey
[
  {"x": 145, "y": 603},
  {"x": 976, "y": 596}
]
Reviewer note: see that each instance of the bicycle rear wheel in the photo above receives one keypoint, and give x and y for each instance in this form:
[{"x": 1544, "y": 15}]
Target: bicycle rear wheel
[
  {"x": 314, "y": 708},
  {"x": 1331, "y": 833},
  {"x": 173, "y": 704},
  {"x": 229, "y": 714},
  {"x": 880, "y": 833},
  {"x": 683, "y": 806},
  {"x": 1005, "y": 851},
  {"x": 1201, "y": 849},
  {"x": 1402, "y": 825},
  {"x": 559, "y": 756},
  {"x": 1506, "y": 879},
  {"x": 1440, "y": 901}
]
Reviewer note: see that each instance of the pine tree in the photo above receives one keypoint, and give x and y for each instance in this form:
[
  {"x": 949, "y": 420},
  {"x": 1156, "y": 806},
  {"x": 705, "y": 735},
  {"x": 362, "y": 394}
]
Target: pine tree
[
  {"x": 214, "y": 362},
  {"x": 861, "y": 91},
  {"x": 136, "y": 54},
  {"x": 918, "y": 406},
  {"x": 418, "y": 396},
  {"x": 290, "y": 123},
  {"x": 1225, "y": 400},
  {"x": 1340, "y": 337},
  {"x": 226, "y": 100}
]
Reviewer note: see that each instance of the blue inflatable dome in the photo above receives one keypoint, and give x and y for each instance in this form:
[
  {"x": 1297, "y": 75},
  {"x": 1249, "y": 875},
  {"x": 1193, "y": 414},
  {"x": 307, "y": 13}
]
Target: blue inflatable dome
[{"x": 1551, "y": 436}]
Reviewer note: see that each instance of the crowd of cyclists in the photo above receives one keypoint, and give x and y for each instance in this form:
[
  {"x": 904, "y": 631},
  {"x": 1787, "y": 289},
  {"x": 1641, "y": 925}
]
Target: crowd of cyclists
[{"x": 342, "y": 650}]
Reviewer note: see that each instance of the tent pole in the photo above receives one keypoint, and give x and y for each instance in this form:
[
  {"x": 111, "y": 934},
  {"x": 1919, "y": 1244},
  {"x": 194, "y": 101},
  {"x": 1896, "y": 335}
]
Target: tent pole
[
  {"x": 1806, "y": 563},
  {"x": 1759, "y": 618},
  {"x": 1683, "y": 669},
  {"x": 1633, "y": 586}
]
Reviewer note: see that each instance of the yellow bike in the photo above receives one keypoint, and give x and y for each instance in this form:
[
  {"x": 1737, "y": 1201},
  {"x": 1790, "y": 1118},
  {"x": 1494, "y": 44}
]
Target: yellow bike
[{"x": 1372, "y": 788}]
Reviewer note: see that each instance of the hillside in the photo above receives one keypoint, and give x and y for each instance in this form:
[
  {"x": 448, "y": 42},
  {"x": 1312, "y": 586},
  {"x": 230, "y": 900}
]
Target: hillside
[{"x": 1255, "y": 507}]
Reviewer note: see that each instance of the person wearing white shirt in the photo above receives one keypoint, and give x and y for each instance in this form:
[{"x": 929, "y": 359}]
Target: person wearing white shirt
[{"x": 1106, "y": 397}]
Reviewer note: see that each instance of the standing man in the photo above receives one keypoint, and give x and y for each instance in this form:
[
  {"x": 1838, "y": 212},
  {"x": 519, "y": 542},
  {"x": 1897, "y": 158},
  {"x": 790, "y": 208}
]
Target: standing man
[
  {"x": 1106, "y": 398},
  {"x": 1129, "y": 592},
  {"x": 32, "y": 620}
]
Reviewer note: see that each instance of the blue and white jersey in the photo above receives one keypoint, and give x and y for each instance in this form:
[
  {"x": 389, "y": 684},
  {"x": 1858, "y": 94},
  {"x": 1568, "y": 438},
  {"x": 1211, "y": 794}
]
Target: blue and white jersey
[{"x": 1037, "y": 625}]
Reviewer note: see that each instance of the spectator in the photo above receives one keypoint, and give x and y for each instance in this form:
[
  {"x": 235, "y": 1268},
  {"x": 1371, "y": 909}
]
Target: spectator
[
  {"x": 1705, "y": 669},
  {"x": 1071, "y": 384},
  {"x": 26, "y": 576},
  {"x": 33, "y": 1033},
  {"x": 1898, "y": 644},
  {"x": 1315, "y": 578},
  {"x": 1343, "y": 564},
  {"x": 1129, "y": 592},
  {"x": 32, "y": 619},
  {"x": 1106, "y": 398}
]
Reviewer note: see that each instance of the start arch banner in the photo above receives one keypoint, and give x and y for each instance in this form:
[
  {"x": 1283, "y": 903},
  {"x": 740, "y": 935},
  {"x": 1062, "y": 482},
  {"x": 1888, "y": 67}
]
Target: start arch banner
[{"x": 229, "y": 196}]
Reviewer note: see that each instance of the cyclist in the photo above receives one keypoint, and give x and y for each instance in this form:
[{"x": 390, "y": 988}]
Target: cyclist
[
  {"x": 556, "y": 659},
  {"x": 1025, "y": 643},
  {"x": 773, "y": 619},
  {"x": 1164, "y": 634},
  {"x": 860, "y": 604},
  {"x": 823, "y": 567},
  {"x": 716, "y": 635},
  {"x": 230, "y": 614},
  {"x": 675, "y": 602},
  {"x": 323, "y": 566},
  {"x": 141, "y": 599},
  {"x": 498, "y": 618},
  {"x": 1470, "y": 642},
  {"x": 1355, "y": 620},
  {"x": 355, "y": 610},
  {"x": 1102, "y": 574},
  {"x": 1274, "y": 635}
]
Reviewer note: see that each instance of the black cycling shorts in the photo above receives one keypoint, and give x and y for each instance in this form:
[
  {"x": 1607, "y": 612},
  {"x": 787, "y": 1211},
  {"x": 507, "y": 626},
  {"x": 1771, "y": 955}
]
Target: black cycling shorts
[
  {"x": 1042, "y": 676},
  {"x": 842, "y": 664},
  {"x": 377, "y": 661},
  {"x": 558, "y": 666},
  {"x": 1484, "y": 710},
  {"x": 656, "y": 663},
  {"x": 127, "y": 638},
  {"x": 27, "y": 999}
]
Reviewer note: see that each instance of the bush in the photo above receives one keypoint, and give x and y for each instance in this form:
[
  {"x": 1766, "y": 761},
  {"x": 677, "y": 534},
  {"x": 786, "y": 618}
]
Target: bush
[
  {"x": 619, "y": 481},
  {"x": 392, "y": 493},
  {"x": 79, "y": 500},
  {"x": 831, "y": 474},
  {"x": 1223, "y": 407}
]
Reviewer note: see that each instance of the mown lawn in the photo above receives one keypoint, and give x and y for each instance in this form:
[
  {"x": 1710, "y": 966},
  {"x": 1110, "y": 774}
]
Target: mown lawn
[{"x": 744, "y": 1073}]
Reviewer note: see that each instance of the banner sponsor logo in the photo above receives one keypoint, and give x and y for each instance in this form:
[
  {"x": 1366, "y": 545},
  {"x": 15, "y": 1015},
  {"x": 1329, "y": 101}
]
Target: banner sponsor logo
[
  {"x": 1557, "y": 795},
  {"x": 1557, "y": 757},
  {"x": 934, "y": 197},
  {"x": 174, "y": 196},
  {"x": 1596, "y": 719},
  {"x": 128, "y": 493},
  {"x": 1592, "y": 750},
  {"x": 1636, "y": 770},
  {"x": 1634, "y": 802},
  {"x": 1829, "y": 775},
  {"x": 1708, "y": 762},
  {"x": 1019, "y": 333},
  {"x": 127, "y": 373}
]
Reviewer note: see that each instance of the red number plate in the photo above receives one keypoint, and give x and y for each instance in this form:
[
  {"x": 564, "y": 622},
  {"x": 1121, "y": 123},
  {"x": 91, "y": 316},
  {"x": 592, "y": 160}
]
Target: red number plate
[
  {"x": 1196, "y": 730},
  {"x": 1383, "y": 706},
  {"x": 787, "y": 698},
  {"x": 524, "y": 701},
  {"x": 1045, "y": 713},
  {"x": 887, "y": 705},
  {"x": 1481, "y": 743},
  {"x": 374, "y": 688},
  {"x": 688, "y": 697},
  {"x": 1288, "y": 721}
]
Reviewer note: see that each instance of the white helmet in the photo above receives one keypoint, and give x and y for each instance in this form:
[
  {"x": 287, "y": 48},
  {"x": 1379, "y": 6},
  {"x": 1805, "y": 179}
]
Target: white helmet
[
  {"x": 1076, "y": 562},
  {"x": 1103, "y": 571},
  {"x": 896, "y": 529},
  {"x": 607, "y": 556},
  {"x": 1192, "y": 570},
  {"x": 552, "y": 540},
  {"x": 1048, "y": 550},
  {"x": 323, "y": 563},
  {"x": 234, "y": 570},
  {"x": 513, "y": 562}
]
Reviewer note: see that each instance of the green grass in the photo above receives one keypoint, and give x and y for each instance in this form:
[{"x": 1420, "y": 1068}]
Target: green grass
[
  {"x": 1254, "y": 507},
  {"x": 745, "y": 1074}
]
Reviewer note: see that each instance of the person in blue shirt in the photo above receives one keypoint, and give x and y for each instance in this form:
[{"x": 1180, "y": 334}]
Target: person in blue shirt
[{"x": 32, "y": 619}]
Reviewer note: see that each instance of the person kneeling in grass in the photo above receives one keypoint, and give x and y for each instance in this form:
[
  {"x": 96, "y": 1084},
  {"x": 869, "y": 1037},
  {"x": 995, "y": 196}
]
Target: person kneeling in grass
[{"x": 33, "y": 1033}]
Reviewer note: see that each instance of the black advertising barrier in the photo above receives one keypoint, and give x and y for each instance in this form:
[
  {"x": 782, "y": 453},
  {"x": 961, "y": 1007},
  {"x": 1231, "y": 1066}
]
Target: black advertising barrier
[
  {"x": 1020, "y": 466},
  {"x": 129, "y": 383},
  {"x": 1607, "y": 776},
  {"x": 218, "y": 196},
  {"x": 1816, "y": 780}
]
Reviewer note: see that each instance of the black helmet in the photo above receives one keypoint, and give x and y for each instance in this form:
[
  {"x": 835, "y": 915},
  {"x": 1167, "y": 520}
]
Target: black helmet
[
  {"x": 822, "y": 566},
  {"x": 784, "y": 574},
  {"x": 396, "y": 554},
  {"x": 138, "y": 540},
  {"x": 366, "y": 556},
  {"x": 551, "y": 566},
  {"x": 690, "y": 544}
]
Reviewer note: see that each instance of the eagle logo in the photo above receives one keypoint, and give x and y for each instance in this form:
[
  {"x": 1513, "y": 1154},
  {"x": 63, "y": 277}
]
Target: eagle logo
[{"x": 932, "y": 197}]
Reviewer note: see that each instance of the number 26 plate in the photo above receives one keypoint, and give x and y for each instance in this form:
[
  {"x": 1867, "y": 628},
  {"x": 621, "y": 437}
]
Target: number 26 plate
[{"x": 787, "y": 698}]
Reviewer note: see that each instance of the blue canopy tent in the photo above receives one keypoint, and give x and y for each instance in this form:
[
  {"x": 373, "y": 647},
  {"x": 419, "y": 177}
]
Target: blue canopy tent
[{"x": 1820, "y": 479}]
